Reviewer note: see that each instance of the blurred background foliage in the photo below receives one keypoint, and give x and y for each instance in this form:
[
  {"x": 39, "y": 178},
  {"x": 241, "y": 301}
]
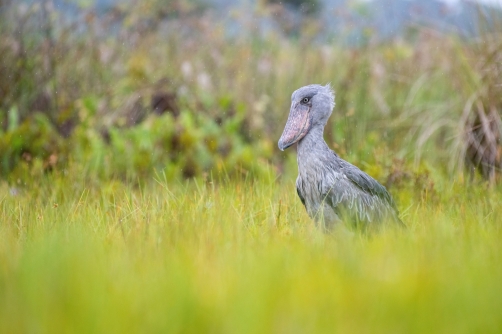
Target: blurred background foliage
[{"x": 147, "y": 86}]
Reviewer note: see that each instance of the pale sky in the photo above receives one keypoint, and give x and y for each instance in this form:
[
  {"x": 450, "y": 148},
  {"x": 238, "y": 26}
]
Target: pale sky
[{"x": 494, "y": 2}]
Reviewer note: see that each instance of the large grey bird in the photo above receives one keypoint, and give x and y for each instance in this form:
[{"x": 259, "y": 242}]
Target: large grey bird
[{"x": 330, "y": 188}]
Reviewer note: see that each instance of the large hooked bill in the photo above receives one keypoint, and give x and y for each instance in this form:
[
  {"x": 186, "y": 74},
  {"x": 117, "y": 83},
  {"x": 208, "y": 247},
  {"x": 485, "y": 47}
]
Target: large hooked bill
[{"x": 297, "y": 126}]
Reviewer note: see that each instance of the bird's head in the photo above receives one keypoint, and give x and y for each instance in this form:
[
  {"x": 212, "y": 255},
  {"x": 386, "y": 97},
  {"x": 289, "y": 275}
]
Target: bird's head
[{"x": 311, "y": 107}]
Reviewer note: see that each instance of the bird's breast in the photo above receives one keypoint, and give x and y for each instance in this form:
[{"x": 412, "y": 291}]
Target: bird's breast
[
  {"x": 314, "y": 184},
  {"x": 312, "y": 191}
]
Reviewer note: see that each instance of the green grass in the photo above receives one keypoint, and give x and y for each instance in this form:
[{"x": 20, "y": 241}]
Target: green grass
[{"x": 242, "y": 257}]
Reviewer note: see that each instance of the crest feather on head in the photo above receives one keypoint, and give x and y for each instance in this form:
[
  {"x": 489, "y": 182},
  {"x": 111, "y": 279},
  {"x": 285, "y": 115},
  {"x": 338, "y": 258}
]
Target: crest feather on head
[{"x": 331, "y": 94}]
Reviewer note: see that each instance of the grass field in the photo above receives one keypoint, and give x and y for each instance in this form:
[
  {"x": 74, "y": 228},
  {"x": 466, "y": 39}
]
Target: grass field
[{"x": 242, "y": 257}]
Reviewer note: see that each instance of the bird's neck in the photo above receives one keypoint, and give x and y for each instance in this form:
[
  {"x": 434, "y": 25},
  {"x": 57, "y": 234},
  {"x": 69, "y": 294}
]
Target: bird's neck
[{"x": 312, "y": 145}]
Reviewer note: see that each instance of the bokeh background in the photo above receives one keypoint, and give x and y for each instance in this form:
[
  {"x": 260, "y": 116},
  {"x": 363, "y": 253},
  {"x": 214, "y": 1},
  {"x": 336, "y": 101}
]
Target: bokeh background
[
  {"x": 199, "y": 88},
  {"x": 142, "y": 190}
]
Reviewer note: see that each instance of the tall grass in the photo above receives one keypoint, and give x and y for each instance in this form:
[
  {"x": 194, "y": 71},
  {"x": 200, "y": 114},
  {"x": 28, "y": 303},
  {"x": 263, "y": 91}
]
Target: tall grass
[{"x": 242, "y": 257}]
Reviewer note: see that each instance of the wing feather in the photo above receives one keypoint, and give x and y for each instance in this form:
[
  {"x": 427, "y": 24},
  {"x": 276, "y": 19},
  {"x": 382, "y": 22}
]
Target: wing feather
[
  {"x": 356, "y": 195},
  {"x": 301, "y": 197},
  {"x": 299, "y": 192}
]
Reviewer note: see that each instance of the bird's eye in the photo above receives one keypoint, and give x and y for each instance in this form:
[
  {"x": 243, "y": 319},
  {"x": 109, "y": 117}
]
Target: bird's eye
[{"x": 306, "y": 100}]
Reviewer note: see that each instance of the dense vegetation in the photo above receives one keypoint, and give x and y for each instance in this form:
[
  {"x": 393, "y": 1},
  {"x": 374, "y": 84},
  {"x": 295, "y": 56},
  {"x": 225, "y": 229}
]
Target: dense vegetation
[
  {"x": 141, "y": 188},
  {"x": 126, "y": 92}
]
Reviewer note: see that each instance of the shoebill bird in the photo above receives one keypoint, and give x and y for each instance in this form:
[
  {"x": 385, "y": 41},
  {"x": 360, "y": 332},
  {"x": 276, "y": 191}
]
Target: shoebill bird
[{"x": 330, "y": 188}]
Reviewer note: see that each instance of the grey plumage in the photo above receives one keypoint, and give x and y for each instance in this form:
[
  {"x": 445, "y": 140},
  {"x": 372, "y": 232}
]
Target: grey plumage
[{"x": 330, "y": 188}]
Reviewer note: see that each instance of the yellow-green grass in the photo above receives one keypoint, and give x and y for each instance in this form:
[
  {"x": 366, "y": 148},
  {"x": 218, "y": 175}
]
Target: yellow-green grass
[{"x": 242, "y": 257}]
